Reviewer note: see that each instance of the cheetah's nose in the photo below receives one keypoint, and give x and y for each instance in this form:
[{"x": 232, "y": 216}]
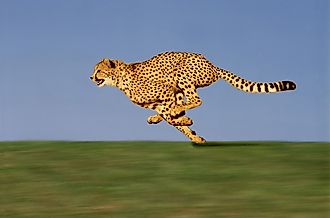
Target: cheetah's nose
[{"x": 91, "y": 77}]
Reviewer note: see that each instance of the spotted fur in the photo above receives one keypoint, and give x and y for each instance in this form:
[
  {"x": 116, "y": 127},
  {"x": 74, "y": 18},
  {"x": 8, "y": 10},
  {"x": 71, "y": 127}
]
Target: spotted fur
[{"x": 167, "y": 84}]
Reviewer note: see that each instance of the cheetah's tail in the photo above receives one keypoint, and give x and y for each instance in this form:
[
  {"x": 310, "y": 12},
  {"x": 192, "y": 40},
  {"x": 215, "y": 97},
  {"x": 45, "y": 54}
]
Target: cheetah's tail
[{"x": 255, "y": 87}]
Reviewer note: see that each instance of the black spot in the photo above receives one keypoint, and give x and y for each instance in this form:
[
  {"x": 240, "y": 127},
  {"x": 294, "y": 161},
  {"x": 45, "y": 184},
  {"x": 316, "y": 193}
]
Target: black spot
[
  {"x": 251, "y": 87},
  {"x": 153, "y": 107},
  {"x": 193, "y": 132},
  {"x": 276, "y": 87},
  {"x": 259, "y": 88},
  {"x": 266, "y": 87},
  {"x": 271, "y": 85},
  {"x": 237, "y": 80}
]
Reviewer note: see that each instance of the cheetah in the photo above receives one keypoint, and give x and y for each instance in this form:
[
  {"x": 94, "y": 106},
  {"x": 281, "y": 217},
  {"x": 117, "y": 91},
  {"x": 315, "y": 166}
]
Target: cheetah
[{"x": 167, "y": 84}]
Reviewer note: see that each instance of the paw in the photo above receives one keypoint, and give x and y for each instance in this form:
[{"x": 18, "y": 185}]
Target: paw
[
  {"x": 198, "y": 140},
  {"x": 154, "y": 119}
]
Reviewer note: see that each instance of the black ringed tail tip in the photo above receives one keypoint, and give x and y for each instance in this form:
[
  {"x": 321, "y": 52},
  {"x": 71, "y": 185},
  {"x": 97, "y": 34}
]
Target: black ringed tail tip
[{"x": 288, "y": 85}]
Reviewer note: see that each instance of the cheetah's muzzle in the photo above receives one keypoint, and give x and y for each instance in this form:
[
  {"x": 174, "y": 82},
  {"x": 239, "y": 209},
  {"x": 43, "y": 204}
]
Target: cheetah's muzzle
[{"x": 99, "y": 82}]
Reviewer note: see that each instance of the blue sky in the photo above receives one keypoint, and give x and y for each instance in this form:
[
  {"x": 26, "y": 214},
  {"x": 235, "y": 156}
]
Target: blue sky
[{"x": 48, "y": 50}]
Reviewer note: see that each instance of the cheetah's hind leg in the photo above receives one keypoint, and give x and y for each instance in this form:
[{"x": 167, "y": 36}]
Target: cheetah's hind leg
[{"x": 192, "y": 100}]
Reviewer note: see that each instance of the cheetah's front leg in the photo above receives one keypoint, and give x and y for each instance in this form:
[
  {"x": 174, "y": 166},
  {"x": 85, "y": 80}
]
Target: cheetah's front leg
[
  {"x": 154, "y": 119},
  {"x": 191, "y": 134}
]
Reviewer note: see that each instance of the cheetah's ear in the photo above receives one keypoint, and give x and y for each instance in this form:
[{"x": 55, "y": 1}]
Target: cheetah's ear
[
  {"x": 112, "y": 64},
  {"x": 109, "y": 62}
]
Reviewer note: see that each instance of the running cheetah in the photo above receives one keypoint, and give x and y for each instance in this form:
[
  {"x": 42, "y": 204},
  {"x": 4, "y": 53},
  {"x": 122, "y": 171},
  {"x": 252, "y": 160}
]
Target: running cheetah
[{"x": 167, "y": 84}]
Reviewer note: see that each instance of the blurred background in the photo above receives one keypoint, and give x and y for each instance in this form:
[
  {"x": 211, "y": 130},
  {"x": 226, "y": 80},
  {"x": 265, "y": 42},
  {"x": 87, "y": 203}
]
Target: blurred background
[{"x": 49, "y": 48}]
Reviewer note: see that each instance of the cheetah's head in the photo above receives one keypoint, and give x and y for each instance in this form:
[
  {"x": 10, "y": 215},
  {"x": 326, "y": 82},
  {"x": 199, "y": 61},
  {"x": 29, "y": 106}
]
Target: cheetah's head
[{"x": 105, "y": 73}]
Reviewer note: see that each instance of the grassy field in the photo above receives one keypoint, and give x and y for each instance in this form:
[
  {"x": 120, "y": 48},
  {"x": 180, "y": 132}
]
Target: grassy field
[{"x": 164, "y": 179}]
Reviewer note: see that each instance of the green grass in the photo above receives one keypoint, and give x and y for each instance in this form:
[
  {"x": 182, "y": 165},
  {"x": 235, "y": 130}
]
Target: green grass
[{"x": 164, "y": 179}]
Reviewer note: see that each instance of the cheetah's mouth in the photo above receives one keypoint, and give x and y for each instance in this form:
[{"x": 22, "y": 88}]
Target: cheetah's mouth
[{"x": 99, "y": 82}]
